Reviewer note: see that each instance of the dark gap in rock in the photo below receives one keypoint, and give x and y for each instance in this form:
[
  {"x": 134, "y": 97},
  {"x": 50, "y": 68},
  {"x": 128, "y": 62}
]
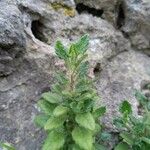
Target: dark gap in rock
[
  {"x": 81, "y": 8},
  {"x": 120, "y": 21},
  {"x": 37, "y": 27},
  {"x": 97, "y": 69}
]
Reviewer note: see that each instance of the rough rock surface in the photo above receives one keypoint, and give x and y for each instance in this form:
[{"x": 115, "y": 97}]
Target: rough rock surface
[{"x": 28, "y": 30}]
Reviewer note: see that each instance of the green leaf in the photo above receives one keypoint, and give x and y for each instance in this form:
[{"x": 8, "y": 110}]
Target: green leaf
[
  {"x": 99, "y": 112},
  {"x": 82, "y": 45},
  {"x": 6, "y": 146},
  {"x": 83, "y": 138},
  {"x": 52, "y": 97},
  {"x": 40, "y": 120},
  {"x": 100, "y": 147},
  {"x": 105, "y": 136},
  {"x": 54, "y": 141},
  {"x": 122, "y": 146},
  {"x": 125, "y": 107},
  {"x": 118, "y": 122},
  {"x": 83, "y": 69},
  {"x": 146, "y": 140},
  {"x": 60, "y": 110},
  {"x": 127, "y": 138},
  {"x": 54, "y": 122},
  {"x": 60, "y": 50},
  {"x": 46, "y": 107},
  {"x": 76, "y": 147},
  {"x": 86, "y": 120},
  {"x": 141, "y": 98}
]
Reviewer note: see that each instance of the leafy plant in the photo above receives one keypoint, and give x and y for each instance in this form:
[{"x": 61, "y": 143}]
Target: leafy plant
[
  {"x": 6, "y": 146},
  {"x": 135, "y": 133},
  {"x": 69, "y": 112}
]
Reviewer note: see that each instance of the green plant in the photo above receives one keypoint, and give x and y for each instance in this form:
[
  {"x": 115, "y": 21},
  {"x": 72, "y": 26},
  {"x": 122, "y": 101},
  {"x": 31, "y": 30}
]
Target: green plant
[
  {"x": 69, "y": 111},
  {"x": 135, "y": 133},
  {"x": 6, "y": 146}
]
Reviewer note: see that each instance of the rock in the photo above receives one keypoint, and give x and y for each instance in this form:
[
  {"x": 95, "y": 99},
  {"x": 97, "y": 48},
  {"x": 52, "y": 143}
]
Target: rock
[
  {"x": 119, "y": 79},
  {"x": 12, "y": 40},
  {"x": 137, "y": 24},
  {"x": 108, "y": 7},
  {"x": 28, "y": 31}
]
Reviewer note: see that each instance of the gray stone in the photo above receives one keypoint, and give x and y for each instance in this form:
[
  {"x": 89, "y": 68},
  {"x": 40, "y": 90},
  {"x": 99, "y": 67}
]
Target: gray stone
[{"x": 28, "y": 31}]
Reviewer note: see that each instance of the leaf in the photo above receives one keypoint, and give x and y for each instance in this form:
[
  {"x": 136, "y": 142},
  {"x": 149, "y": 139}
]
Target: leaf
[
  {"x": 99, "y": 112},
  {"x": 83, "y": 69},
  {"x": 105, "y": 136},
  {"x": 146, "y": 140},
  {"x": 60, "y": 50},
  {"x": 86, "y": 120},
  {"x": 54, "y": 141},
  {"x": 82, "y": 45},
  {"x": 76, "y": 147},
  {"x": 118, "y": 122},
  {"x": 54, "y": 122},
  {"x": 83, "y": 138},
  {"x": 40, "y": 120},
  {"x": 46, "y": 107},
  {"x": 125, "y": 107},
  {"x": 127, "y": 138},
  {"x": 122, "y": 146},
  {"x": 60, "y": 110},
  {"x": 6, "y": 146},
  {"x": 142, "y": 99},
  {"x": 52, "y": 97},
  {"x": 100, "y": 147}
]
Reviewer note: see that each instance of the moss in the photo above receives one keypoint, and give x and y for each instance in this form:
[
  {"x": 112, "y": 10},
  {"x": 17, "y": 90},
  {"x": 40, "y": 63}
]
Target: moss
[{"x": 68, "y": 11}]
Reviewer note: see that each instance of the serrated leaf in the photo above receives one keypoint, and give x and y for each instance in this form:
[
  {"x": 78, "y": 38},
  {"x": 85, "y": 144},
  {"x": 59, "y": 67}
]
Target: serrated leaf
[
  {"x": 52, "y": 97},
  {"x": 99, "y": 112},
  {"x": 127, "y": 138},
  {"x": 83, "y": 138},
  {"x": 54, "y": 122},
  {"x": 54, "y": 141},
  {"x": 46, "y": 107},
  {"x": 82, "y": 45},
  {"x": 40, "y": 120},
  {"x": 60, "y": 50},
  {"x": 125, "y": 107},
  {"x": 86, "y": 120},
  {"x": 122, "y": 146},
  {"x": 60, "y": 110}
]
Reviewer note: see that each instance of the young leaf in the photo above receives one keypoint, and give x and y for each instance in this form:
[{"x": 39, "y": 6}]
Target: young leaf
[
  {"x": 122, "y": 146},
  {"x": 46, "y": 107},
  {"x": 60, "y": 110},
  {"x": 52, "y": 97},
  {"x": 83, "y": 138},
  {"x": 86, "y": 120},
  {"x": 40, "y": 120},
  {"x": 125, "y": 107},
  {"x": 99, "y": 112},
  {"x": 82, "y": 45},
  {"x": 61, "y": 50},
  {"x": 54, "y": 141},
  {"x": 54, "y": 122}
]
